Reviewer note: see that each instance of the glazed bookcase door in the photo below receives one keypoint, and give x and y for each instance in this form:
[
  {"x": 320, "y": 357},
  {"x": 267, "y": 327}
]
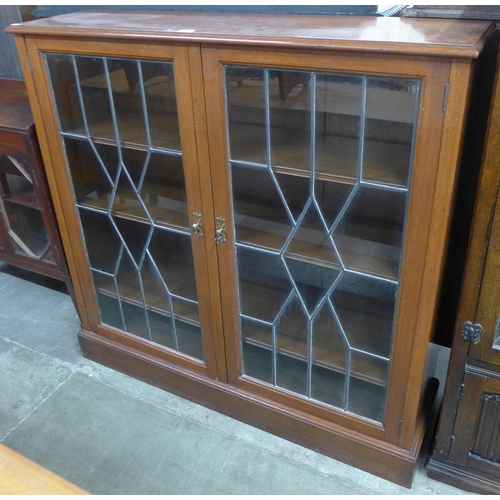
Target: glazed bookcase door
[
  {"x": 319, "y": 203},
  {"x": 319, "y": 171},
  {"x": 125, "y": 127},
  {"x": 20, "y": 210}
]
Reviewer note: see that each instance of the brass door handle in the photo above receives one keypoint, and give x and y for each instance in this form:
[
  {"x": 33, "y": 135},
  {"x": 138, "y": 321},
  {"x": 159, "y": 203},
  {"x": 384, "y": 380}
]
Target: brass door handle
[
  {"x": 220, "y": 230},
  {"x": 197, "y": 226}
]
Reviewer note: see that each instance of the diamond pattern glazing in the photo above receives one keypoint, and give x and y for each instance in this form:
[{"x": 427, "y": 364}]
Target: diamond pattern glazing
[
  {"x": 320, "y": 169},
  {"x": 119, "y": 123}
]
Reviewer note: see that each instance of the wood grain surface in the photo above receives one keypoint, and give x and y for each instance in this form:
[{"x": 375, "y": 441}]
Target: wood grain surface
[
  {"x": 452, "y": 38},
  {"x": 20, "y": 476}
]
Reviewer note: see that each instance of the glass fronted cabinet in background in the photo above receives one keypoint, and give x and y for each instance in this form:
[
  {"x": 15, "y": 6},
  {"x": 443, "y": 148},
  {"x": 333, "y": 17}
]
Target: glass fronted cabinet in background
[
  {"x": 29, "y": 237},
  {"x": 255, "y": 223},
  {"x": 21, "y": 212}
]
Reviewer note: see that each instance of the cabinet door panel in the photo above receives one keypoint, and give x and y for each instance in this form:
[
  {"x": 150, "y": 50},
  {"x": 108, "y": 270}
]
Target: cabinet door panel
[
  {"x": 488, "y": 308},
  {"x": 338, "y": 247},
  {"x": 21, "y": 212},
  {"x": 134, "y": 178},
  {"x": 477, "y": 436},
  {"x": 319, "y": 168}
]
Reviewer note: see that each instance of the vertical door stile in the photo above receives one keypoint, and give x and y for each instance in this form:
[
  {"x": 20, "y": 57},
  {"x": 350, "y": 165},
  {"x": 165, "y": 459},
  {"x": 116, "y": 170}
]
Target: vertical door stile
[
  {"x": 221, "y": 188},
  {"x": 57, "y": 177},
  {"x": 409, "y": 351},
  {"x": 187, "y": 71},
  {"x": 459, "y": 78},
  {"x": 211, "y": 304}
]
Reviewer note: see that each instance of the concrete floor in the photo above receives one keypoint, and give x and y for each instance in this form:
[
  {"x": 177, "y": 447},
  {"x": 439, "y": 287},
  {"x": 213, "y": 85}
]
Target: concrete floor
[{"x": 111, "y": 434}]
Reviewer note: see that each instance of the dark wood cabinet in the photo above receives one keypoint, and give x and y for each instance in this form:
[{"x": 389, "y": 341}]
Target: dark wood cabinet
[
  {"x": 255, "y": 209},
  {"x": 29, "y": 236},
  {"x": 467, "y": 448}
]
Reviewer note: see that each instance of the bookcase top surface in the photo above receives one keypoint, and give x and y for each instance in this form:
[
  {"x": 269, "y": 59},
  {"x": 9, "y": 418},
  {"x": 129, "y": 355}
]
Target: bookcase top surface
[{"x": 433, "y": 37}]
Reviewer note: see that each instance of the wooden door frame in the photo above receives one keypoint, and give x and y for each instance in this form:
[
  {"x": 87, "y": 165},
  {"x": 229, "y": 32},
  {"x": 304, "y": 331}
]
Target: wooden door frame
[
  {"x": 59, "y": 180},
  {"x": 436, "y": 168}
]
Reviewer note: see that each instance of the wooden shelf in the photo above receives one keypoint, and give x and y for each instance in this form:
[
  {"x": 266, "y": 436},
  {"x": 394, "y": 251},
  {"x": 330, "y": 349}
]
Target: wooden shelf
[
  {"x": 165, "y": 204},
  {"x": 163, "y": 128},
  {"x": 336, "y": 98},
  {"x": 327, "y": 386},
  {"x": 160, "y": 85},
  {"x": 180, "y": 279},
  {"x": 384, "y": 163},
  {"x": 311, "y": 245},
  {"x": 25, "y": 197},
  {"x": 264, "y": 303},
  {"x": 19, "y": 190},
  {"x": 161, "y": 110},
  {"x": 362, "y": 371},
  {"x": 186, "y": 340},
  {"x": 328, "y": 350}
]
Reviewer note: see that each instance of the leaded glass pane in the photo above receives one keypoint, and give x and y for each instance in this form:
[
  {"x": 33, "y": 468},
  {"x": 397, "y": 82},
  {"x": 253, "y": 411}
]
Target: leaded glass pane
[
  {"x": 120, "y": 128},
  {"x": 339, "y": 100},
  {"x": 320, "y": 164}
]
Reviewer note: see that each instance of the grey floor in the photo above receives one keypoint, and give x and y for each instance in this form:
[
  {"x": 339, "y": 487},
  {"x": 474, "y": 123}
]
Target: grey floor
[{"x": 111, "y": 434}]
